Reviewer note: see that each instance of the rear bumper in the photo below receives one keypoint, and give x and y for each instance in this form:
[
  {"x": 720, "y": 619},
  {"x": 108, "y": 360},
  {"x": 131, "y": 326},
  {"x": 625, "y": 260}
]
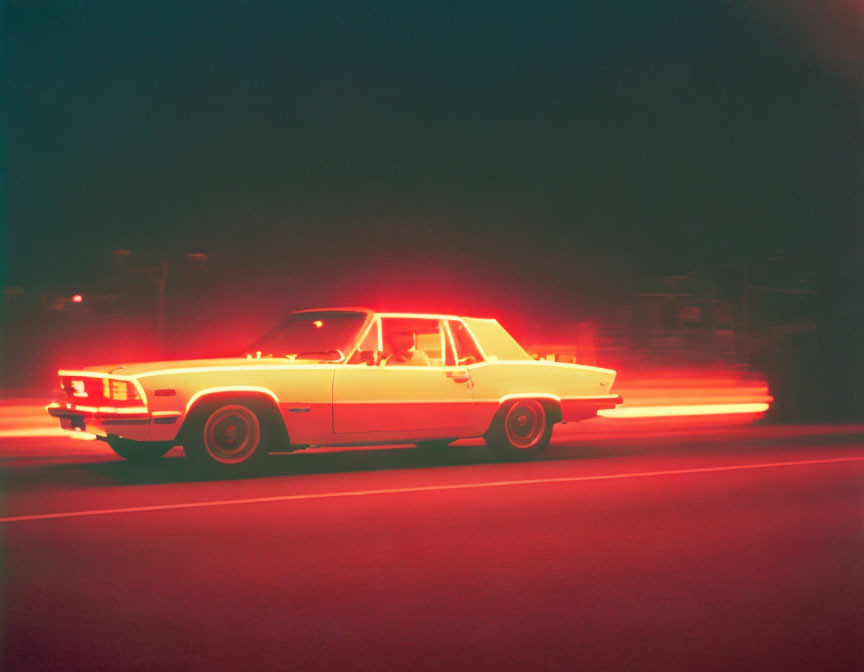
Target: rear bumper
[
  {"x": 582, "y": 408},
  {"x": 135, "y": 426}
]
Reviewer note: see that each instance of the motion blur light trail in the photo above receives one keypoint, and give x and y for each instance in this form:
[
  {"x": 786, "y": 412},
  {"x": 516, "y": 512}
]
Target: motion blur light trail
[
  {"x": 26, "y": 419},
  {"x": 721, "y": 397},
  {"x": 40, "y": 432},
  {"x": 691, "y": 392},
  {"x": 692, "y": 409}
]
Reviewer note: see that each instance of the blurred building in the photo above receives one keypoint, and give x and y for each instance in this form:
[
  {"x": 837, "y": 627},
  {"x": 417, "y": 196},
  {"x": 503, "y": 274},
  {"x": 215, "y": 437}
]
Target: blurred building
[{"x": 729, "y": 314}]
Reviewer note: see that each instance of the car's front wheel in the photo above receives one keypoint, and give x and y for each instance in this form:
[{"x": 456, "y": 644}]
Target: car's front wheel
[
  {"x": 226, "y": 439},
  {"x": 520, "y": 431},
  {"x": 139, "y": 451}
]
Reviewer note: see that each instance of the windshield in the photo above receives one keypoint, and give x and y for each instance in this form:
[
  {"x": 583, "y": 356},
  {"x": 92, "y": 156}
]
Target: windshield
[{"x": 319, "y": 335}]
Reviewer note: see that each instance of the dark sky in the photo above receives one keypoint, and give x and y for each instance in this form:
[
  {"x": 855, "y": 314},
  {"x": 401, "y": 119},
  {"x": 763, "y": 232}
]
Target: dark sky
[{"x": 517, "y": 145}]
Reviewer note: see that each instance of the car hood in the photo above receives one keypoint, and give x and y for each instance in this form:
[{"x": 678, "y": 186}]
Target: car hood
[{"x": 141, "y": 368}]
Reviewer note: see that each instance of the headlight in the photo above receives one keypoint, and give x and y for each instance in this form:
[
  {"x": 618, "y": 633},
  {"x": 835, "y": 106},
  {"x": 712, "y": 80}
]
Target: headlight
[
  {"x": 101, "y": 391},
  {"x": 119, "y": 390}
]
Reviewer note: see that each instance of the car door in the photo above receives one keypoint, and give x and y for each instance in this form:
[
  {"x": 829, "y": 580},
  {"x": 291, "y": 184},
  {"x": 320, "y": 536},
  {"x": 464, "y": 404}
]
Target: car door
[{"x": 426, "y": 394}]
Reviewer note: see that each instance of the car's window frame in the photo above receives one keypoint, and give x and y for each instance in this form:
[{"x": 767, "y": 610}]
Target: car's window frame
[
  {"x": 477, "y": 345},
  {"x": 376, "y": 323}
]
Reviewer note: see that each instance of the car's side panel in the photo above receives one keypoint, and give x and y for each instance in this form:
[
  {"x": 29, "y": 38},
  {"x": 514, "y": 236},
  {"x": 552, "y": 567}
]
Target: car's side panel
[
  {"x": 569, "y": 385},
  {"x": 400, "y": 400}
]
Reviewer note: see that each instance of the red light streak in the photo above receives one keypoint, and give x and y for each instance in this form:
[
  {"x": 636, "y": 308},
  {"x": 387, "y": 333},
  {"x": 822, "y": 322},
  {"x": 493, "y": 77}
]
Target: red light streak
[
  {"x": 682, "y": 410},
  {"x": 80, "y": 435},
  {"x": 691, "y": 392}
]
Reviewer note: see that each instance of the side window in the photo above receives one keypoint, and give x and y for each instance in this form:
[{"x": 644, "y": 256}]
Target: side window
[
  {"x": 414, "y": 342},
  {"x": 466, "y": 349}
]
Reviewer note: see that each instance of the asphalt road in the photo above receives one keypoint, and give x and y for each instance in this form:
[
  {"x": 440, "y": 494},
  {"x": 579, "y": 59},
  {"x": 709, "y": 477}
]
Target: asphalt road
[{"x": 737, "y": 549}]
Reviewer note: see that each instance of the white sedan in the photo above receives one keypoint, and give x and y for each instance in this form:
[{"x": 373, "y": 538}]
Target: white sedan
[{"x": 337, "y": 376}]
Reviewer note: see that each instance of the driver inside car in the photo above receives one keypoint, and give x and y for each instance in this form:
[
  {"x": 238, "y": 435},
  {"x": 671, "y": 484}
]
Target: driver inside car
[{"x": 404, "y": 352}]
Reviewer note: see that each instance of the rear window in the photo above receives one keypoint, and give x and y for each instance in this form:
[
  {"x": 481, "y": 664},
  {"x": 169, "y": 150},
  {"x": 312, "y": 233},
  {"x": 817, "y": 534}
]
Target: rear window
[
  {"x": 466, "y": 349},
  {"x": 495, "y": 341}
]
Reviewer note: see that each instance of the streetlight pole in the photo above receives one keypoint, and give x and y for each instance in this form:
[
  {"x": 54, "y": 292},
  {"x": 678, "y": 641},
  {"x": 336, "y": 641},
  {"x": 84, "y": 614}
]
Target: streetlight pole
[
  {"x": 159, "y": 276},
  {"x": 160, "y": 322}
]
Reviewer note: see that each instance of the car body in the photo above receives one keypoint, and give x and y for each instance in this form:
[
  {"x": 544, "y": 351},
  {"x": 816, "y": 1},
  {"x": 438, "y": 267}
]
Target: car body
[{"x": 336, "y": 376}]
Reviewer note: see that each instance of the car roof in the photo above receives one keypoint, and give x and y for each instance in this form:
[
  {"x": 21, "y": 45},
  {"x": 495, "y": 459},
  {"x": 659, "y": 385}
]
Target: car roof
[
  {"x": 380, "y": 313},
  {"x": 336, "y": 309}
]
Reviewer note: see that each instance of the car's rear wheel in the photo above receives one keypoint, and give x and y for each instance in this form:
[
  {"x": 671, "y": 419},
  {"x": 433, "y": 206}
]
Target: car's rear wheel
[
  {"x": 521, "y": 430},
  {"x": 226, "y": 439},
  {"x": 139, "y": 451}
]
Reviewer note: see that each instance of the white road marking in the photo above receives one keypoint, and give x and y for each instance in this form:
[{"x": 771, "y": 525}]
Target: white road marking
[{"x": 424, "y": 488}]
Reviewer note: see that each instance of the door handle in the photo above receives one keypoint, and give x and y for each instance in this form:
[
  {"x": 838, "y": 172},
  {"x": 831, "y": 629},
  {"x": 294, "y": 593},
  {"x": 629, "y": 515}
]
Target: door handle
[{"x": 459, "y": 376}]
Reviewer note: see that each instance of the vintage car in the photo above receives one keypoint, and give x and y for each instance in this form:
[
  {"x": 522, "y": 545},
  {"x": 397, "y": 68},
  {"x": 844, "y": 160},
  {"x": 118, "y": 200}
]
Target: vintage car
[{"x": 337, "y": 376}]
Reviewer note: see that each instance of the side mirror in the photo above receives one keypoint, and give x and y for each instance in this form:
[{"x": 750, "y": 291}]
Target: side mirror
[{"x": 370, "y": 357}]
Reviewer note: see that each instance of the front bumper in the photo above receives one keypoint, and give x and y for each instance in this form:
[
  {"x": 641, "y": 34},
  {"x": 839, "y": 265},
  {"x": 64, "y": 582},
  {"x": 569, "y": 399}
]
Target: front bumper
[{"x": 136, "y": 426}]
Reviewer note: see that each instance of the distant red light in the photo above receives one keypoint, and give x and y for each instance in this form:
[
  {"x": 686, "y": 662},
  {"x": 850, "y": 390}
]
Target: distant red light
[
  {"x": 318, "y": 324},
  {"x": 77, "y": 298}
]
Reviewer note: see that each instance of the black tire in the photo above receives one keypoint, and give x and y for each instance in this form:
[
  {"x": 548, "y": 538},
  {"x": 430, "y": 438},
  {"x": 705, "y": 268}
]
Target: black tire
[
  {"x": 227, "y": 438},
  {"x": 140, "y": 452},
  {"x": 436, "y": 444},
  {"x": 520, "y": 431}
]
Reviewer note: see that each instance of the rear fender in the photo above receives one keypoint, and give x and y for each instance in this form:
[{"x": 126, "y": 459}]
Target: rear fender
[{"x": 551, "y": 404}]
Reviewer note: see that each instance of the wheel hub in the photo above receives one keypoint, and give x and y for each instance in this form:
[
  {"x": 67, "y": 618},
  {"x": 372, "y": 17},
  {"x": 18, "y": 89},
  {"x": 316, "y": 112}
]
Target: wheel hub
[
  {"x": 232, "y": 434},
  {"x": 525, "y": 423}
]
